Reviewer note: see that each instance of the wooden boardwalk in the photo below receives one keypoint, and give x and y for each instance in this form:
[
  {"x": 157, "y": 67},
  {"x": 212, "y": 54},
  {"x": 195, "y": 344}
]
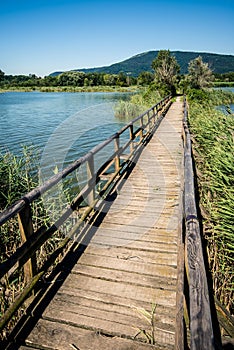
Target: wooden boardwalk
[{"x": 122, "y": 288}]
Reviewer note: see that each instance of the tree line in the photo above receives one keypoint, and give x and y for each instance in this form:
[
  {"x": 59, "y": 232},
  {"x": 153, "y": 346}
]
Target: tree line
[
  {"x": 166, "y": 76},
  {"x": 71, "y": 78}
]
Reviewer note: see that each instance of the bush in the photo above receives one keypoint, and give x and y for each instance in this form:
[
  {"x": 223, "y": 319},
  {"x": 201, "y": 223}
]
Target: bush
[{"x": 201, "y": 96}]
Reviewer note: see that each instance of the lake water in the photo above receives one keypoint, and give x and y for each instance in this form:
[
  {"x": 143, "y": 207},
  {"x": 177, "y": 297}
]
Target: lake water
[
  {"x": 223, "y": 108},
  {"x": 62, "y": 125}
]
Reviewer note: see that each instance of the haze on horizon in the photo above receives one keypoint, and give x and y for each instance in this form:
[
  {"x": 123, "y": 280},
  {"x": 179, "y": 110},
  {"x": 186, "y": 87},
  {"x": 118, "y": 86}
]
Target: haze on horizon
[{"x": 44, "y": 36}]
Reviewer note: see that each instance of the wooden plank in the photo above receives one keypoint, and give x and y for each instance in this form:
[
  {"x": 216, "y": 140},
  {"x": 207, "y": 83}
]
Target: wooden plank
[
  {"x": 124, "y": 229},
  {"x": 140, "y": 245},
  {"x": 130, "y": 262},
  {"x": 162, "y": 279},
  {"x": 62, "y": 336},
  {"x": 149, "y": 236},
  {"x": 144, "y": 221},
  {"x": 114, "y": 328},
  {"x": 134, "y": 255},
  {"x": 102, "y": 320},
  {"x": 27, "y": 348},
  {"x": 143, "y": 293},
  {"x": 107, "y": 301},
  {"x": 122, "y": 307},
  {"x": 149, "y": 208}
]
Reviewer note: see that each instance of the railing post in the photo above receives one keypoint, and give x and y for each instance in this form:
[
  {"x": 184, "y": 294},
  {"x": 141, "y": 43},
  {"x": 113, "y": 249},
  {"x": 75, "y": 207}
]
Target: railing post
[
  {"x": 142, "y": 129},
  {"x": 117, "y": 159},
  {"x": 154, "y": 114},
  {"x": 26, "y": 230},
  {"x": 91, "y": 182},
  {"x": 148, "y": 121},
  {"x": 131, "y": 137}
]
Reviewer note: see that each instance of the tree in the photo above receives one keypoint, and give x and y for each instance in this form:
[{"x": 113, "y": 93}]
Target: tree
[
  {"x": 200, "y": 75},
  {"x": 145, "y": 78},
  {"x": 166, "y": 70},
  {"x": 122, "y": 79},
  {"x": 1, "y": 75},
  {"x": 110, "y": 79}
]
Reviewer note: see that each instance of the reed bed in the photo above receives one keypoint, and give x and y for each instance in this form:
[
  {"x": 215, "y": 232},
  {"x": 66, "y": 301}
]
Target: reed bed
[
  {"x": 19, "y": 175},
  {"x": 138, "y": 103},
  {"x": 213, "y": 141}
]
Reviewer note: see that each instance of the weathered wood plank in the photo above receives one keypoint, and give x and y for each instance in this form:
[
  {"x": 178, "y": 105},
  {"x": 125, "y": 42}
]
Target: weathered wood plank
[
  {"x": 61, "y": 336},
  {"x": 150, "y": 235},
  {"x": 134, "y": 255},
  {"x": 165, "y": 280},
  {"x": 151, "y": 294},
  {"x": 106, "y": 303},
  {"x": 114, "y": 322},
  {"x": 155, "y": 230},
  {"x": 108, "y": 241}
]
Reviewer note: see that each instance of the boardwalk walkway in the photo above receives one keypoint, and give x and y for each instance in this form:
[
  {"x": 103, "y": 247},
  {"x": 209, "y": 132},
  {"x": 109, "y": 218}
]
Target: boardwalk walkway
[{"x": 121, "y": 290}]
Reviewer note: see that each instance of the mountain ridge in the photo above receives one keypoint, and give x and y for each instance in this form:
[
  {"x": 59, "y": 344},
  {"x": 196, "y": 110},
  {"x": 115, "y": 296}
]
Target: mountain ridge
[{"x": 133, "y": 66}]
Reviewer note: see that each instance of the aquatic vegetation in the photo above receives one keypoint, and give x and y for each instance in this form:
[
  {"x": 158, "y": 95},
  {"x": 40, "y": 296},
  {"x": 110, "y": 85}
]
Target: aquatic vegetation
[{"x": 213, "y": 144}]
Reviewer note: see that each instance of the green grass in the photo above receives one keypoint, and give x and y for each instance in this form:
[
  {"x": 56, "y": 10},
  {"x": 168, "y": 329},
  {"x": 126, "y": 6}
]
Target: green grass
[{"x": 223, "y": 83}]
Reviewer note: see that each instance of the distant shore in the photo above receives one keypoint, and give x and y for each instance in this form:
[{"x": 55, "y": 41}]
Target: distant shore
[
  {"x": 223, "y": 84},
  {"x": 134, "y": 88}
]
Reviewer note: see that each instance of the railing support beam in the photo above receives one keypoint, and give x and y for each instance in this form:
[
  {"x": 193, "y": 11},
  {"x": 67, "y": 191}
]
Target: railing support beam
[{"x": 26, "y": 230}]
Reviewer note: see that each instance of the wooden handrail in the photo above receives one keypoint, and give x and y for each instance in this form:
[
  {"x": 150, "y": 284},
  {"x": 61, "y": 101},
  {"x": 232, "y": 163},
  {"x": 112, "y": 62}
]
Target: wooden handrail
[
  {"x": 25, "y": 255},
  {"x": 201, "y": 329}
]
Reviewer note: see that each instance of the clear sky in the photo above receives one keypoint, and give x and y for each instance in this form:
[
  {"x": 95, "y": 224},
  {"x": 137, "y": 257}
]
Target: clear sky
[{"x": 43, "y": 36}]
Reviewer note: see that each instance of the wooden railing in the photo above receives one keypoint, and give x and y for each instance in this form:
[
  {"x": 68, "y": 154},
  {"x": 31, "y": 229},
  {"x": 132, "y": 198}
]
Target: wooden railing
[
  {"x": 25, "y": 257},
  {"x": 198, "y": 306}
]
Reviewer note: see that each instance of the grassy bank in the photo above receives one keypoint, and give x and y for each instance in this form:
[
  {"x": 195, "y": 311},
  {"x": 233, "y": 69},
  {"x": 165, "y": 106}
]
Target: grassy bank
[
  {"x": 73, "y": 89},
  {"x": 223, "y": 84},
  {"x": 213, "y": 145}
]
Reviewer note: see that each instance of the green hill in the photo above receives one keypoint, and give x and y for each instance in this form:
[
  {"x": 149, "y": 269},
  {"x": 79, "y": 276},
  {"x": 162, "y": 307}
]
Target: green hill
[{"x": 142, "y": 62}]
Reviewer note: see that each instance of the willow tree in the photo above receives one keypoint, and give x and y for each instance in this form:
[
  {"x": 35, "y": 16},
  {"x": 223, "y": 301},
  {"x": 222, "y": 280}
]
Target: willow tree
[
  {"x": 166, "y": 70},
  {"x": 200, "y": 75}
]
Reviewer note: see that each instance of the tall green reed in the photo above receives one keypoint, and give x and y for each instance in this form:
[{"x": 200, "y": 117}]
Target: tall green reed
[{"x": 213, "y": 141}]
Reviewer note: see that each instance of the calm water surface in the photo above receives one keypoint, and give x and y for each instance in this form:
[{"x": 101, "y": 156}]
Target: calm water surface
[
  {"x": 232, "y": 105},
  {"x": 64, "y": 125}
]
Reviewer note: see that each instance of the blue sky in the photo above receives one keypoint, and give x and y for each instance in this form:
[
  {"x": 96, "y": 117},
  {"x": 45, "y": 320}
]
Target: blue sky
[{"x": 43, "y": 36}]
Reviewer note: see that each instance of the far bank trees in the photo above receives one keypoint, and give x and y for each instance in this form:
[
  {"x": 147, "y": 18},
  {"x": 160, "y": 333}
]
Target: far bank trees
[{"x": 166, "y": 71}]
